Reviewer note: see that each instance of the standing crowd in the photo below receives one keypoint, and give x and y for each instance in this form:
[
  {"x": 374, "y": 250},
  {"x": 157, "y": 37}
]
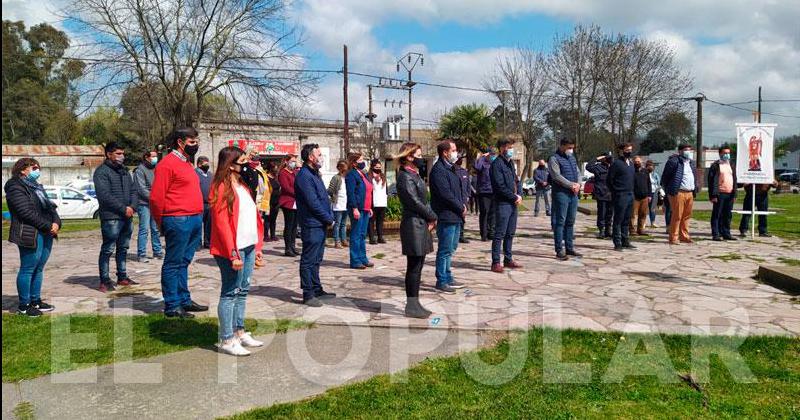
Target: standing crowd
[{"x": 233, "y": 210}]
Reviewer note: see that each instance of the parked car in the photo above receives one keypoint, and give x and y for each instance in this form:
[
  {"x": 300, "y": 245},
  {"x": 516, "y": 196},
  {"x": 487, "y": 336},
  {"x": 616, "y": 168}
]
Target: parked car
[
  {"x": 84, "y": 186},
  {"x": 529, "y": 187},
  {"x": 788, "y": 182},
  {"x": 73, "y": 204}
]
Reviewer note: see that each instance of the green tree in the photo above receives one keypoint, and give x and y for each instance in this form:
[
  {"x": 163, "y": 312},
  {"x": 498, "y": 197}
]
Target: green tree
[
  {"x": 471, "y": 126},
  {"x": 39, "y": 94}
]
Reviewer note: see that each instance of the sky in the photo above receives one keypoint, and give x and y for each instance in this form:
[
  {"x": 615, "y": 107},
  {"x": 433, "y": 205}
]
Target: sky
[{"x": 729, "y": 47}]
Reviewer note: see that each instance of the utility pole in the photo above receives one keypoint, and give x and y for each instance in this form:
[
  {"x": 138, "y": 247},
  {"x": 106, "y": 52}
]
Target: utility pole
[
  {"x": 409, "y": 61},
  {"x": 346, "y": 143},
  {"x": 758, "y": 117},
  {"x": 700, "y": 155}
]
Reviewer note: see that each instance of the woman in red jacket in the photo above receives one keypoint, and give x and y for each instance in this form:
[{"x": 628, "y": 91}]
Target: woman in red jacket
[
  {"x": 286, "y": 201},
  {"x": 236, "y": 239}
]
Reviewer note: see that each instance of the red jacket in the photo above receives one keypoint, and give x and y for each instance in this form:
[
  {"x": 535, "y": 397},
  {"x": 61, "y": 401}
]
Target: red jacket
[
  {"x": 176, "y": 189},
  {"x": 286, "y": 179},
  {"x": 224, "y": 224}
]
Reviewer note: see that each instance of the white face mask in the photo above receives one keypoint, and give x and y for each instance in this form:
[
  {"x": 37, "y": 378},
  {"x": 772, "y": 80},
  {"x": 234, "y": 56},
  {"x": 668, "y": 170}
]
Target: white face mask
[{"x": 453, "y": 157}]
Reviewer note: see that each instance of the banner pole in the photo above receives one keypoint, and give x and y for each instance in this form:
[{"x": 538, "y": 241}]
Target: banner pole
[{"x": 753, "y": 215}]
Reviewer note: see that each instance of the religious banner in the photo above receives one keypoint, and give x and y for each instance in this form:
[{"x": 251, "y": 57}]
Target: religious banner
[
  {"x": 267, "y": 147},
  {"x": 754, "y": 153}
]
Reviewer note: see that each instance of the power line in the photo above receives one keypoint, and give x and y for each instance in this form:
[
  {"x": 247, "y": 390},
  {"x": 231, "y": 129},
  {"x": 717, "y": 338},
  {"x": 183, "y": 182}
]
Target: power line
[{"x": 750, "y": 110}]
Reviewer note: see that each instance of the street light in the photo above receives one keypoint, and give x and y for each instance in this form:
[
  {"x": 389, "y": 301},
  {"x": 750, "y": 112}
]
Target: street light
[{"x": 409, "y": 61}]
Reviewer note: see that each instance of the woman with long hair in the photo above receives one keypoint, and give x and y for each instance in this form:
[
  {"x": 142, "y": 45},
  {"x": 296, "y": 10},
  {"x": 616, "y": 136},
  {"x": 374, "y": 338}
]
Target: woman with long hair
[
  {"x": 359, "y": 207},
  {"x": 34, "y": 225},
  {"x": 417, "y": 223},
  {"x": 236, "y": 239},
  {"x": 380, "y": 199},
  {"x": 337, "y": 192},
  {"x": 288, "y": 205}
]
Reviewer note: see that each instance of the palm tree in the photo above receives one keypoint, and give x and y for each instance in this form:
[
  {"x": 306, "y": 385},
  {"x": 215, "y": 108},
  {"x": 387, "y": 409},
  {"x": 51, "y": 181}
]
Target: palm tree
[{"x": 472, "y": 126}]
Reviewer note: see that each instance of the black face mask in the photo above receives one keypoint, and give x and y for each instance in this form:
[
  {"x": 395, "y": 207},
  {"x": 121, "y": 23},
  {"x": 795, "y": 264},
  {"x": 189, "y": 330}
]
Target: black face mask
[
  {"x": 377, "y": 171},
  {"x": 362, "y": 165},
  {"x": 419, "y": 163},
  {"x": 637, "y": 166},
  {"x": 627, "y": 155},
  {"x": 191, "y": 150},
  {"x": 204, "y": 168}
]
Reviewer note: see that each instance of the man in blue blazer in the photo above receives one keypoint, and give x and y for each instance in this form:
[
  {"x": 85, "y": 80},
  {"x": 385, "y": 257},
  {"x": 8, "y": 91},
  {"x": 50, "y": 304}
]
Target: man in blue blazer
[
  {"x": 448, "y": 204},
  {"x": 314, "y": 215}
]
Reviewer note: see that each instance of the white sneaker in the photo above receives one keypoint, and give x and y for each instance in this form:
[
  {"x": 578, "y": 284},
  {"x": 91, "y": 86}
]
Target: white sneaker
[
  {"x": 248, "y": 341},
  {"x": 233, "y": 348},
  {"x": 653, "y": 225}
]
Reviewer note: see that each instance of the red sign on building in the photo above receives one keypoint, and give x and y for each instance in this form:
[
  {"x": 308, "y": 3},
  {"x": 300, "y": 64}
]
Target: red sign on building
[{"x": 267, "y": 147}]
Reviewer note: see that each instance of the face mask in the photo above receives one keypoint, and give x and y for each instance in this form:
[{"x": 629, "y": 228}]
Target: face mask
[
  {"x": 292, "y": 165},
  {"x": 204, "y": 168},
  {"x": 191, "y": 150},
  {"x": 627, "y": 155},
  {"x": 492, "y": 157},
  {"x": 377, "y": 171},
  {"x": 726, "y": 157},
  {"x": 637, "y": 165},
  {"x": 33, "y": 175},
  {"x": 119, "y": 160},
  {"x": 569, "y": 152},
  {"x": 419, "y": 163},
  {"x": 153, "y": 161},
  {"x": 510, "y": 153},
  {"x": 361, "y": 165},
  {"x": 453, "y": 157},
  {"x": 686, "y": 154},
  {"x": 541, "y": 166}
]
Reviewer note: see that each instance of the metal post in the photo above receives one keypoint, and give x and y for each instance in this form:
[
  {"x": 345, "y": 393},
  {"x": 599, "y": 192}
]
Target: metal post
[
  {"x": 409, "y": 108},
  {"x": 753, "y": 208},
  {"x": 700, "y": 155},
  {"x": 346, "y": 136}
]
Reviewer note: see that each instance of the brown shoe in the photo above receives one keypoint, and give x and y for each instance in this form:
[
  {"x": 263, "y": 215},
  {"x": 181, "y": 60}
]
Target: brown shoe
[
  {"x": 512, "y": 264},
  {"x": 687, "y": 241},
  {"x": 497, "y": 268},
  {"x": 337, "y": 245},
  {"x": 345, "y": 244}
]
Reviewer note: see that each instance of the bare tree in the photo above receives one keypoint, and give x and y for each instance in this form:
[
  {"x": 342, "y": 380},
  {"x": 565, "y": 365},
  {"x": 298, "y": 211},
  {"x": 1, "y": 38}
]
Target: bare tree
[
  {"x": 643, "y": 85},
  {"x": 521, "y": 81},
  {"x": 576, "y": 69},
  {"x": 192, "y": 49}
]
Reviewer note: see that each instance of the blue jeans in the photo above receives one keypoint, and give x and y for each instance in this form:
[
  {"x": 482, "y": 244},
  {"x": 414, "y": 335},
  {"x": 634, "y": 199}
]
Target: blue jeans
[
  {"x": 340, "y": 225},
  {"x": 653, "y": 207},
  {"x": 562, "y": 220},
  {"x": 31, "y": 269},
  {"x": 505, "y": 227},
  {"x": 182, "y": 235},
  {"x": 545, "y": 194},
  {"x": 605, "y": 217},
  {"x": 447, "y": 234},
  {"x": 116, "y": 233},
  {"x": 358, "y": 239},
  {"x": 623, "y": 207},
  {"x": 721, "y": 214},
  {"x": 232, "y": 296},
  {"x": 310, "y": 258},
  {"x": 146, "y": 221}
]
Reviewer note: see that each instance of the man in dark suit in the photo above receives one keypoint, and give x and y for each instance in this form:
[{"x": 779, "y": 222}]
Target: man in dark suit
[
  {"x": 314, "y": 215},
  {"x": 448, "y": 204}
]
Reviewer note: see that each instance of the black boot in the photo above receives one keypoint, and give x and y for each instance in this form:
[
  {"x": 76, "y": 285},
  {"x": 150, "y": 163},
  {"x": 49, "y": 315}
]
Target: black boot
[{"x": 415, "y": 310}]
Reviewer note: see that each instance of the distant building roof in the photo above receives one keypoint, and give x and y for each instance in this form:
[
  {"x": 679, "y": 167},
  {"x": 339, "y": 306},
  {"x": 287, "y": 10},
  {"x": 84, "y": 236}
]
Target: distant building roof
[{"x": 22, "y": 150}]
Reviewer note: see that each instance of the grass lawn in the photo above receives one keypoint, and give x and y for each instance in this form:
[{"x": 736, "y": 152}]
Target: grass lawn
[
  {"x": 785, "y": 224},
  {"x": 27, "y": 341},
  {"x": 441, "y": 388}
]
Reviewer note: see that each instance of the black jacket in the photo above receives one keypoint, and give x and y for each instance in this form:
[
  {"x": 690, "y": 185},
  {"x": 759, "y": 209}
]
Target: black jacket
[
  {"x": 415, "y": 237},
  {"x": 446, "y": 200},
  {"x": 713, "y": 179},
  {"x": 115, "y": 190},
  {"x": 641, "y": 185},
  {"x": 29, "y": 216},
  {"x": 620, "y": 176},
  {"x": 600, "y": 171},
  {"x": 466, "y": 185},
  {"x": 504, "y": 180}
]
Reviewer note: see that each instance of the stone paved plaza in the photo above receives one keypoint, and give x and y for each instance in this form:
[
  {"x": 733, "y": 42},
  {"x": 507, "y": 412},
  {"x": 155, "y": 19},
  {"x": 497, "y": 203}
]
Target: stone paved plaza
[{"x": 706, "y": 287}]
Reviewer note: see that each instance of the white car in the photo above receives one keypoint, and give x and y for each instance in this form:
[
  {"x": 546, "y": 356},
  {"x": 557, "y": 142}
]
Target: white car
[
  {"x": 73, "y": 204},
  {"x": 85, "y": 186}
]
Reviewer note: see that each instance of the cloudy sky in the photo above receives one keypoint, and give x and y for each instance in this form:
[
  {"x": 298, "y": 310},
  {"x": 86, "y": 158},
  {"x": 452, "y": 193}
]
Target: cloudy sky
[{"x": 730, "y": 47}]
